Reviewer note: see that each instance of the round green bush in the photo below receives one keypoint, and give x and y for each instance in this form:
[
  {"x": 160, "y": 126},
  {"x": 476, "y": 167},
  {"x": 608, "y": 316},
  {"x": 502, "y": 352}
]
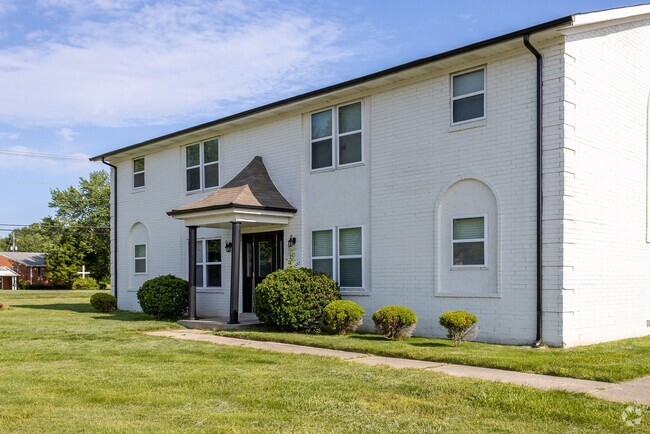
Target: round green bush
[
  {"x": 87, "y": 284},
  {"x": 395, "y": 322},
  {"x": 103, "y": 302},
  {"x": 458, "y": 323},
  {"x": 293, "y": 299},
  {"x": 164, "y": 297},
  {"x": 342, "y": 316}
]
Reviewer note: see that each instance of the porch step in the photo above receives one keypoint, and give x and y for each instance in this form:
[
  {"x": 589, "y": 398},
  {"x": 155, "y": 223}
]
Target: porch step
[{"x": 246, "y": 321}]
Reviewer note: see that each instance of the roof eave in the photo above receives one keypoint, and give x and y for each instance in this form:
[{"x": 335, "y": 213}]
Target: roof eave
[{"x": 333, "y": 88}]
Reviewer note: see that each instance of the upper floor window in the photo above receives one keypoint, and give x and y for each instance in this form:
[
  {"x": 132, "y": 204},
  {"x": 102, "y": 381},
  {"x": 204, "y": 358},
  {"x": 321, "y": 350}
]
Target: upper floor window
[
  {"x": 138, "y": 172},
  {"x": 468, "y": 96},
  {"x": 468, "y": 241},
  {"x": 202, "y": 165},
  {"x": 140, "y": 258},
  {"x": 336, "y": 135},
  {"x": 208, "y": 263}
]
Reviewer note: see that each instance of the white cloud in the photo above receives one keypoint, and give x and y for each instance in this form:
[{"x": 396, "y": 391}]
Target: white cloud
[
  {"x": 9, "y": 136},
  {"x": 39, "y": 160},
  {"x": 66, "y": 133},
  {"x": 151, "y": 63}
]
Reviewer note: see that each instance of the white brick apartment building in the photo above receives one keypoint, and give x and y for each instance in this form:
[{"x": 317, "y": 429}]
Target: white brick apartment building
[{"x": 419, "y": 186}]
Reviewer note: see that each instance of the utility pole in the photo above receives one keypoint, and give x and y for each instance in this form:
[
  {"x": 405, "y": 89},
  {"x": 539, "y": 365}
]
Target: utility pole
[{"x": 13, "y": 247}]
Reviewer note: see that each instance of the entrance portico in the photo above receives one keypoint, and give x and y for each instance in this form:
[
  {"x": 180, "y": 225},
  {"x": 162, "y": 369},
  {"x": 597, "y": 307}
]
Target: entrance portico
[{"x": 250, "y": 199}]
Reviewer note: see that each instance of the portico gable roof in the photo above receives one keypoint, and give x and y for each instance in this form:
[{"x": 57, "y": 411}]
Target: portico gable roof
[{"x": 251, "y": 196}]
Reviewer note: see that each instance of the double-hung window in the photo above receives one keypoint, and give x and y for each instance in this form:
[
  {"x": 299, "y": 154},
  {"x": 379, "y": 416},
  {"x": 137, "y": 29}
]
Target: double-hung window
[
  {"x": 202, "y": 165},
  {"x": 140, "y": 255},
  {"x": 339, "y": 254},
  {"x": 138, "y": 172},
  {"x": 468, "y": 96},
  {"x": 337, "y": 136},
  {"x": 468, "y": 241},
  {"x": 208, "y": 263}
]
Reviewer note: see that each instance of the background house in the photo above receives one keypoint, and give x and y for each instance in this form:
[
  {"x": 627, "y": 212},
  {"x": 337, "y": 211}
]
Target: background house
[
  {"x": 30, "y": 267},
  {"x": 507, "y": 178}
]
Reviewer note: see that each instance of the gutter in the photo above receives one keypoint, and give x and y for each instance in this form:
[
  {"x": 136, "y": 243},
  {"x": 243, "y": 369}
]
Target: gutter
[
  {"x": 114, "y": 290},
  {"x": 346, "y": 84},
  {"x": 540, "y": 194}
]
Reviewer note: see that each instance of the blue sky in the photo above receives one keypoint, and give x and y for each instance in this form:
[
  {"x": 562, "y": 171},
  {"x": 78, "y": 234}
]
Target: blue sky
[{"x": 82, "y": 77}]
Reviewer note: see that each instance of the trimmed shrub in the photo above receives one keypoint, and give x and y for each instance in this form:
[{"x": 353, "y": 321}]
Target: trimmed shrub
[
  {"x": 293, "y": 299},
  {"x": 459, "y": 325},
  {"x": 342, "y": 316},
  {"x": 103, "y": 302},
  {"x": 87, "y": 284},
  {"x": 395, "y": 322},
  {"x": 164, "y": 297}
]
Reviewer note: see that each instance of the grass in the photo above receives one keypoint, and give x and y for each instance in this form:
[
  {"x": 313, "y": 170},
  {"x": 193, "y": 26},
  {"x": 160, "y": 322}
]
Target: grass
[
  {"x": 612, "y": 362},
  {"x": 64, "y": 368}
]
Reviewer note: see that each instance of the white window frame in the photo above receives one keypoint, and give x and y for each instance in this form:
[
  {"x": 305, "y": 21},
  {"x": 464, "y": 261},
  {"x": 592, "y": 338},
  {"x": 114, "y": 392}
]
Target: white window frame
[
  {"x": 467, "y": 95},
  {"x": 484, "y": 240},
  {"x": 361, "y": 256},
  {"x": 135, "y": 258},
  {"x": 336, "y": 258},
  {"x": 205, "y": 264},
  {"x": 144, "y": 177},
  {"x": 334, "y": 110},
  {"x": 202, "y": 165},
  {"x": 334, "y": 249}
]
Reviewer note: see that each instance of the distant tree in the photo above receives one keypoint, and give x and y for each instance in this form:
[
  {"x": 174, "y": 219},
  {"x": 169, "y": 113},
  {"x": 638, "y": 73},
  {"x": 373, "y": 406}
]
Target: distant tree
[
  {"x": 28, "y": 239},
  {"x": 79, "y": 231}
]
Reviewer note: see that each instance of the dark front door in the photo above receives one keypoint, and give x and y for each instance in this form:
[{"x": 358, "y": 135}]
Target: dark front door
[{"x": 261, "y": 256}]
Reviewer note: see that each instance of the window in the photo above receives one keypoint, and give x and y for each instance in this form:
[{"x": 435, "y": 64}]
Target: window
[
  {"x": 140, "y": 258},
  {"x": 39, "y": 272},
  {"x": 208, "y": 263},
  {"x": 202, "y": 165},
  {"x": 138, "y": 172},
  {"x": 322, "y": 252},
  {"x": 468, "y": 96},
  {"x": 468, "y": 241},
  {"x": 348, "y": 256},
  {"x": 350, "y": 259},
  {"x": 336, "y": 134}
]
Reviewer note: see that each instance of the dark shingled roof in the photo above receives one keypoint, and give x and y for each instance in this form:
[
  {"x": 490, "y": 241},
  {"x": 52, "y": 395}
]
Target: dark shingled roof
[
  {"x": 252, "y": 188},
  {"x": 31, "y": 259}
]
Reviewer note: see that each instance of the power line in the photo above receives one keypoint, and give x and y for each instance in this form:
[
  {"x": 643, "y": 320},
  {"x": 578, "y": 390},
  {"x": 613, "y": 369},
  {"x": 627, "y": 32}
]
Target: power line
[{"x": 42, "y": 155}]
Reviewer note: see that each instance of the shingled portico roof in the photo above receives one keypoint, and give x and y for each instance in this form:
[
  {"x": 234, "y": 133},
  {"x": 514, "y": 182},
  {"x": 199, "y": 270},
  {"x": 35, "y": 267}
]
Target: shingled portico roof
[{"x": 251, "y": 193}]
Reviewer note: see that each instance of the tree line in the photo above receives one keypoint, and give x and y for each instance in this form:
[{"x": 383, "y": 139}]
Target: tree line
[{"x": 77, "y": 234}]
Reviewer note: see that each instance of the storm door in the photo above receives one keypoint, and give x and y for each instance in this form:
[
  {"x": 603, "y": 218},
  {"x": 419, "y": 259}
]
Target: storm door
[{"x": 261, "y": 256}]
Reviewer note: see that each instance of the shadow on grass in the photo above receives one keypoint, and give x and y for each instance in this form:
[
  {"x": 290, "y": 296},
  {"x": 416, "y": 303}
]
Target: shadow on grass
[
  {"x": 431, "y": 344},
  {"x": 86, "y": 308},
  {"x": 74, "y": 307}
]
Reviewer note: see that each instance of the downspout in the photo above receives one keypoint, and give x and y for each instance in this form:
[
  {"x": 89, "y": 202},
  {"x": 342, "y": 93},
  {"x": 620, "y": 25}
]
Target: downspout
[
  {"x": 114, "y": 290},
  {"x": 540, "y": 195}
]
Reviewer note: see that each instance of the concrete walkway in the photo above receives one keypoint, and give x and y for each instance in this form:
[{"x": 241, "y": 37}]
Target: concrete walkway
[{"x": 637, "y": 391}]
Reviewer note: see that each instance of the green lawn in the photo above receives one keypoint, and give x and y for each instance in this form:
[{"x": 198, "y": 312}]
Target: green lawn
[
  {"x": 613, "y": 362},
  {"x": 64, "y": 368}
]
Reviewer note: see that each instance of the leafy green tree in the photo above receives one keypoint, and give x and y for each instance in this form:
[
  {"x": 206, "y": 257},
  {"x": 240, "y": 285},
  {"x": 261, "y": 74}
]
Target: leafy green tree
[
  {"x": 28, "y": 239},
  {"x": 79, "y": 231}
]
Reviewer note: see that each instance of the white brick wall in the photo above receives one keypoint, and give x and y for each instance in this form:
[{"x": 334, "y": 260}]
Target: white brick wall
[
  {"x": 607, "y": 259},
  {"x": 596, "y": 259}
]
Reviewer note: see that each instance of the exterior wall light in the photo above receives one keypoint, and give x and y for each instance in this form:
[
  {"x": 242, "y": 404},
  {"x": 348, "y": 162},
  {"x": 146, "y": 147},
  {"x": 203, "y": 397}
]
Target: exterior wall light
[
  {"x": 229, "y": 246},
  {"x": 291, "y": 241}
]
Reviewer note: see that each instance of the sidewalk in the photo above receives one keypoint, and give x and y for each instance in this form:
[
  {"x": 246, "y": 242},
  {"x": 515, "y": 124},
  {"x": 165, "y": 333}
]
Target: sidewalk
[{"x": 637, "y": 391}]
